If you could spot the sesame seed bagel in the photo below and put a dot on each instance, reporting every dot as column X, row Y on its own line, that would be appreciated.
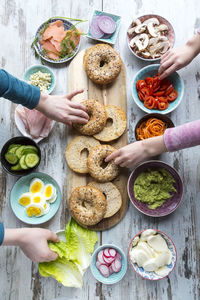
column 117, row 127
column 113, row 197
column 97, row 120
column 87, row 205
column 95, row 160
column 102, row 64
column 75, row 156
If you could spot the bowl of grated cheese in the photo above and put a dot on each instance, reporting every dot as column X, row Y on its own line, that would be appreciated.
column 42, row 77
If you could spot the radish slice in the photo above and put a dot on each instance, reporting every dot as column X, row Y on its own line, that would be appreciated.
column 100, row 257
column 95, row 31
column 112, row 252
column 104, row 270
column 108, row 260
column 106, row 253
column 118, row 256
column 116, row 265
column 111, row 270
column 106, row 24
column 98, row 264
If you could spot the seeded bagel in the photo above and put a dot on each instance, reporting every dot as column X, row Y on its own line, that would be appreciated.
column 102, row 63
column 113, row 197
column 95, row 160
column 87, row 205
column 98, row 117
column 74, row 153
column 117, row 127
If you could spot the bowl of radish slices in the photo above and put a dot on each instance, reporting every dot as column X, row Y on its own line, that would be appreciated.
column 109, row 264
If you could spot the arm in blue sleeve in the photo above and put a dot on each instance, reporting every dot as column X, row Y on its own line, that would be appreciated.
column 1, row 233
column 18, row 91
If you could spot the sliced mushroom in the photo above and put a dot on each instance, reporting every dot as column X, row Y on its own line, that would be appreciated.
column 131, row 31
column 160, row 48
column 140, row 28
column 152, row 29
column 140, row 41
column 145, row 54
column 154, row 41
column 136, row 23
column 162, row 27
column 152, row 20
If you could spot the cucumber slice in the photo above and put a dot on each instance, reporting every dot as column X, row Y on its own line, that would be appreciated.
column 27, row 151
column 31, row 160
column 13, row 146
column 13, row 149
column 23, row 163
column 11, row 158
column 16, row 167
column 19, row 151
column 30, row 147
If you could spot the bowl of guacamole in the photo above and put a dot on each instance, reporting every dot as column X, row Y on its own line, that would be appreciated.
column 155, row 188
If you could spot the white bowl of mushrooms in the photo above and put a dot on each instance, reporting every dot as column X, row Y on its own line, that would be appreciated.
column 149, row 37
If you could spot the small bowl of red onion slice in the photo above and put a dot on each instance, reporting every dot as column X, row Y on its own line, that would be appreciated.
column 109, row 264
column 104, row 27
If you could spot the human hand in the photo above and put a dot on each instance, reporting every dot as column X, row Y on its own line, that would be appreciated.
column 177, row 58
column 61, row 109
column 138, row 151
column 33, row 242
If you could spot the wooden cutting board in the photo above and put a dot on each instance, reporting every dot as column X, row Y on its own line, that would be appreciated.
column 114, row 94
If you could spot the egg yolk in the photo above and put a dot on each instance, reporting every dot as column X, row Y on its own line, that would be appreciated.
column 33, row 211
column 24, row 201
column 45, row 206
column 48, row 191
column 36, row 199
column 36, row 187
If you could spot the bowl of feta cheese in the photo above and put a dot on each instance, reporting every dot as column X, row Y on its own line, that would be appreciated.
column 42, row 77
column 152, row 254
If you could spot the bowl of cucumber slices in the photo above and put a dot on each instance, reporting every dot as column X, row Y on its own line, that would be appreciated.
column 20, row 156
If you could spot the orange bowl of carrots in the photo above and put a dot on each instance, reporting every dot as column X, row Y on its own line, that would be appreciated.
column 152, row 125
column 153, row 95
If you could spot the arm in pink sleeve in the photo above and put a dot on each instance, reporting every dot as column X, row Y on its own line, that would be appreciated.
column 184, row 136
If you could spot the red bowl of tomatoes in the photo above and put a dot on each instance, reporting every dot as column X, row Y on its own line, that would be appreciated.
column 157, row 96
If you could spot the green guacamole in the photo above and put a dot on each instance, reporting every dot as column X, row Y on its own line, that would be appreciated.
column 154, row 187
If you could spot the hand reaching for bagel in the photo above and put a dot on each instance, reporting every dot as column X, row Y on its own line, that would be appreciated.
column 62, row 109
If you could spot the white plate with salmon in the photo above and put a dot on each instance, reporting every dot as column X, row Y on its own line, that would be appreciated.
column 57, row 40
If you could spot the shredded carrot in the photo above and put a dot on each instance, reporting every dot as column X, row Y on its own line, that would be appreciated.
column 150, row 128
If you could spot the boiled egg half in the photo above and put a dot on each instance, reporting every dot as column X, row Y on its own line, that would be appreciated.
column 36, row 186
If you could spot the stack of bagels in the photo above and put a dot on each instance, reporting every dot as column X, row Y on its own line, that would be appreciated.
column 85, row 155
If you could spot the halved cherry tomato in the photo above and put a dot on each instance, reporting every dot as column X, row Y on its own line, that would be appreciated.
column 169, row 90
column 156, row 101
column 163, row 105
column 149, row 102
column 160, row 93
column 140, row 84
column 145, row 91
column 141, row 96
column 162, row 99
column 164, row 84
column 172, row 96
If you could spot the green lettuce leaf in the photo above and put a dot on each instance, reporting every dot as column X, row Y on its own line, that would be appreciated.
column 64, row 271
column 74, row 256
column 80, row 243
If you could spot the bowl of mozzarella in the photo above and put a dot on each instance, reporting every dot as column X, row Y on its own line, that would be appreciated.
column 152, row 254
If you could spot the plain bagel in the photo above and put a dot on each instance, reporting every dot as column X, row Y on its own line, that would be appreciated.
column 102, row 64
column 74, row 153
column 95, row 164
column 113, row 197
column 87, row 205
column 98, row 117
column 117, row 127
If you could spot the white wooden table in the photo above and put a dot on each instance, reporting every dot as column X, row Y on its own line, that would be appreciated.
column 19, row 277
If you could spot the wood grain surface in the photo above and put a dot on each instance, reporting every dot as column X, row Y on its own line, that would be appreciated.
column 112, row 94
column 19, row 277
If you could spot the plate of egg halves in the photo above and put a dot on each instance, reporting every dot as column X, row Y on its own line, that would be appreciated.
column 35, row 198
